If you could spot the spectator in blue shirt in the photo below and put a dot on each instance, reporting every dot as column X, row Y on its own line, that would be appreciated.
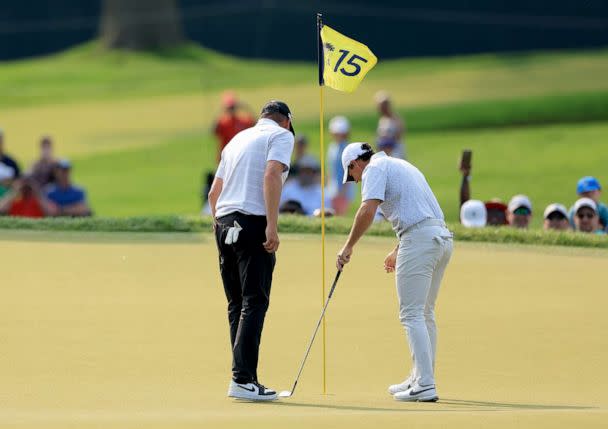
column 70, row 199
column 589, row 187
column 7, row 161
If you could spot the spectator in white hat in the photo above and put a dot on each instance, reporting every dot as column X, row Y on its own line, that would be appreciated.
column 390, row 125
column 556, row 218
column 519, row 211
column 341, row 194
column 473, row 214
column 586, row 218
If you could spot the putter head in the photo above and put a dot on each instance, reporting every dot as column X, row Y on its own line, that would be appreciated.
column 285, row 394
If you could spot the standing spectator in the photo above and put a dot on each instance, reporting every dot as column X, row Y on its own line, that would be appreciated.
column 244, row 200
column 519, row 211
column 42, row 170
column 556, row 218
column 586, row 218
column 306, row 188
column 390, row 125
column 70, row 200
column 341, row 194
column 235, row 118
column 26, row 200
column 6, row 160
column 589, row 187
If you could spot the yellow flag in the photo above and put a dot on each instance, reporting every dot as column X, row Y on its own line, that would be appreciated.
column 345, row 61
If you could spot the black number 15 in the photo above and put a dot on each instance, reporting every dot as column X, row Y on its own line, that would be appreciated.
column 351, row 62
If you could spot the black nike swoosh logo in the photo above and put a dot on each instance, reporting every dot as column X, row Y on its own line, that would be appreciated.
column 421, row 391
column 245, row 388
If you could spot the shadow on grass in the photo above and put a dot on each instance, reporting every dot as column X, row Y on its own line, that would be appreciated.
column 463, row 405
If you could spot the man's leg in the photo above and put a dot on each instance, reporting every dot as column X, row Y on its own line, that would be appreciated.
column 255, row 269
column 429, row 309
column 416, row 260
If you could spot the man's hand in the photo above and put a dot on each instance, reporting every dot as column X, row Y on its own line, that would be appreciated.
column 390, row 261
column 272, row 239
column 344, row 257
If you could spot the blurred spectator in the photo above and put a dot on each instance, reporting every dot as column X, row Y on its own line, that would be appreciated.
column 305, row 189
column 6, row 160
column 300, row 149
column 390, row 125
column 26, row 200
column 589, row 187
column 235, row 118
column 497, row 212
column 586, row 218
column 556, row 218
column 69, row 199
column 7, row 175
column 519, row 211
column 341, row 194
column 473, row 214
column 42, row 170
column 388, row 145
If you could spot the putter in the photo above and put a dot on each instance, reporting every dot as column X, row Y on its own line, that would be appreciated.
column 289, row 393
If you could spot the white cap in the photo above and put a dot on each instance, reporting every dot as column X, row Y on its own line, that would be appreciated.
column 350, row 153
column 339, row 125
column 6, row 172
column 555, row 207
column 585, row 202
column 473, row 214
column 519, row 201
column 381, row 97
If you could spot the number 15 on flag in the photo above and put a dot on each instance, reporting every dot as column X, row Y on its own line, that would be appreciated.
column 345, row 61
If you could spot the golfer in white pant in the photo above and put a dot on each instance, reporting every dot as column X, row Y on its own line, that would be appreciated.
column 419, row 260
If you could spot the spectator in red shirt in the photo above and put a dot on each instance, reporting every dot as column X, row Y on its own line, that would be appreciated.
column 26, row 200
column 235, row 118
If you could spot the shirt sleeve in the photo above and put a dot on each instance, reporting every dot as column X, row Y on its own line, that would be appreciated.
column 221, row 169
column 373, row 186
column 280, row 147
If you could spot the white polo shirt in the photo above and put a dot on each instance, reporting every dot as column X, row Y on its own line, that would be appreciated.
column 405, row 194
column 243, row 165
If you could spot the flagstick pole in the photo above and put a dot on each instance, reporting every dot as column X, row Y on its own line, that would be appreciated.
column 321, row 123
column 321, row 126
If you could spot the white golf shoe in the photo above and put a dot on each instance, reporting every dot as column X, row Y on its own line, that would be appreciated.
column 418, row 393
column 401, row 387
column 251, row 391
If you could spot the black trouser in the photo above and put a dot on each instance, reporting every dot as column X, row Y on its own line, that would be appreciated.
column 246, row 270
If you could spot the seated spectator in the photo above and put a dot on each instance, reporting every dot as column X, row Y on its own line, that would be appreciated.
column 497, row 212
column 6, row 161
column 299, row 150
column 26, row 200
column 586, row 218
column 556, row 218
column 42, row 170
column 7, row 175
column 589, row 187
column 69, row 199
column 291, row 207
column 519, row 211
column 306, row 188
column 473, row 214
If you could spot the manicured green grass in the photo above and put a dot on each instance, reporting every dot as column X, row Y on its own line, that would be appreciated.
column 297, row 224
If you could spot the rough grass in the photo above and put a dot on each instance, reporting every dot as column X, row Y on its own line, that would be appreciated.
column 296, row 224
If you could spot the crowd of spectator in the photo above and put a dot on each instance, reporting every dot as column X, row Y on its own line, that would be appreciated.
column 46, row 189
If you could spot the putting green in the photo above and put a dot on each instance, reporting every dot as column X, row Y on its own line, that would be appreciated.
column 129, row 330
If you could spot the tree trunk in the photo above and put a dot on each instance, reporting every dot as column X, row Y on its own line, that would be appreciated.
column 140, row 24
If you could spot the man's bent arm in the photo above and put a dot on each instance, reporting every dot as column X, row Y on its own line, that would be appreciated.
column 363, row 219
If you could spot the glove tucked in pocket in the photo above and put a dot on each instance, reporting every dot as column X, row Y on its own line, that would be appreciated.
column 232, row 235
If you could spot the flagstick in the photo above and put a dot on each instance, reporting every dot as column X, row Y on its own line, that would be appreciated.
column 321, row 126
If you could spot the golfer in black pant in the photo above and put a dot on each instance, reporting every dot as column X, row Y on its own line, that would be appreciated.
column 244, row 199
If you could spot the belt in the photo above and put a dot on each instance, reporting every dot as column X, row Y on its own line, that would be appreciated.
column 422, row 224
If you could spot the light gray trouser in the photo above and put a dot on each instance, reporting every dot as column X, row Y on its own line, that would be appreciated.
column 424, row 252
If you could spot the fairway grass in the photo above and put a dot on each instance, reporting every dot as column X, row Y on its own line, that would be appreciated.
column 123, row 330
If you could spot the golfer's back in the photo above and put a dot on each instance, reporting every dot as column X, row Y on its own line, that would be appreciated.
column 243, row 165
